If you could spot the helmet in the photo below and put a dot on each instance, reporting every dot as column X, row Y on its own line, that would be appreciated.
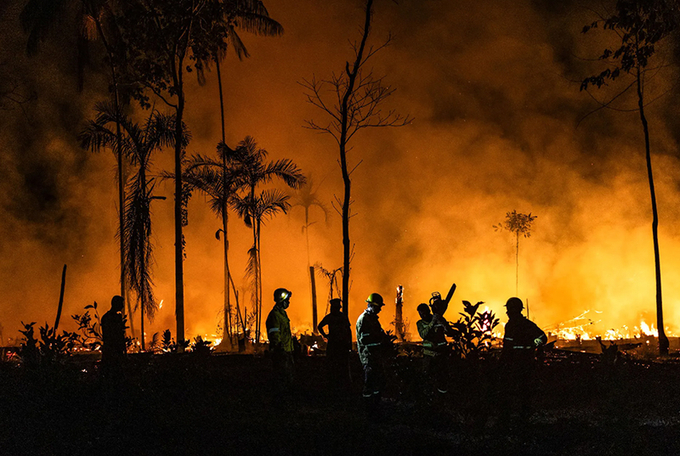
column 375, row 299
column 423, row 309
column 514, row 305
column 281, row 294
column 336, row 303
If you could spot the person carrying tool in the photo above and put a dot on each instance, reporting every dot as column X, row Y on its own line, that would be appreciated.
column 433, row 329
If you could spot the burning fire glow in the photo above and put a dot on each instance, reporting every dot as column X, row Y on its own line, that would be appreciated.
column 581, row 328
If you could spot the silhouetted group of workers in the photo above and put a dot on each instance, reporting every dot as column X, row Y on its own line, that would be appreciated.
column 522, row 338
column 518, row 357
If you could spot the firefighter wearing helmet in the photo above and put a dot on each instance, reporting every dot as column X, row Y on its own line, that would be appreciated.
column 370, row 341
column 522, row 336
column 518, row 359
column 281, row 338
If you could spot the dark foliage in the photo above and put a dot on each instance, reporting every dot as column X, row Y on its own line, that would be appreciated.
column 473, row 333
column 48, row 349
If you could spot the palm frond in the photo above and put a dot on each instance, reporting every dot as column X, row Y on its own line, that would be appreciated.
column 269, row 203
column 286, row 170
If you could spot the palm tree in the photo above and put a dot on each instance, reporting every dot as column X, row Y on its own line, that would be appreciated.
column 93, row 18
column 248, row 15
column 306, row 197
column 255, row 207
column 138, row 143
column 219, row 180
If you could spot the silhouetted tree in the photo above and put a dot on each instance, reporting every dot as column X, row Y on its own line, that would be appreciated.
column 91, row 19
column 517, row 223
column 332, row 277
column 306, row 197
column 250, row 16
column 247, row 15
column 641, row 25
column 220, row 180
column 255, row 207
column 161, row 41
column 352, row 101
column 138, row 143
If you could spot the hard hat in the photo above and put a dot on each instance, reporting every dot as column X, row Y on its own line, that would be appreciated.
column 281, row 294
column 375, row 299
column 514, row 305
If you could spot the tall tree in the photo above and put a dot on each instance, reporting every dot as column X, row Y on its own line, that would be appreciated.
column 161, row 44
column 518, row 224
column 138, row 143
column 351, row 101
column 307, row 197
column 641, row 25
column 91, row 19
column 220, row 181
column 255, row 207
column 246, row 15
column 250, row 16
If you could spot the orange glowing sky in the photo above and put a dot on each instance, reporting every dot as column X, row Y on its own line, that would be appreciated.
column 494, row 90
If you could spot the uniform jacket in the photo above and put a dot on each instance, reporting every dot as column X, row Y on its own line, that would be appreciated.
column 370, row 336
column 278, row 330
column 433, row 334
column 339, row 332
column 522, row 336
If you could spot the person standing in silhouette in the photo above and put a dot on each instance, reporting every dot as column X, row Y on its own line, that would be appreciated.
column 518, row 362
column 281, row 344
column 113, row 339
column 338, row 343
column 371, row 341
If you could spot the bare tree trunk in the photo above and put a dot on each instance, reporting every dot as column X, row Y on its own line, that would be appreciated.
column 61, row 299
column 141, row 312
column 179, row 247
column 121, row 181
column 227, row 304
column 225, row 220
column 663, row 340
column 399, row 316
column 344, row 109
column 517, row 265
column 259, row 278
column 315, row 323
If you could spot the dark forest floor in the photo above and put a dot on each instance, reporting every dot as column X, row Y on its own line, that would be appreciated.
column 186, row 404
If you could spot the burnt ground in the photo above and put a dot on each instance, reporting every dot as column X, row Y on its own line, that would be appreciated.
column 187, row 404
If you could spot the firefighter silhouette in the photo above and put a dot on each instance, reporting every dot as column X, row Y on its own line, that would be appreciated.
column 518, row 362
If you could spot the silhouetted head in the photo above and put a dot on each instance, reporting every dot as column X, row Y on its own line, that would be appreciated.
column 336, row 304
column 375, row 302
column 282, row 296
column 514, row 306
column 117, row 303
column 424, row 311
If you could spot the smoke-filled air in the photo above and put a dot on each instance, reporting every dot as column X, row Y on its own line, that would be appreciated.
column 499, row 124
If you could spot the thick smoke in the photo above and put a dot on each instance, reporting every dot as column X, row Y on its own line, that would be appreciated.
column 494, row 89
